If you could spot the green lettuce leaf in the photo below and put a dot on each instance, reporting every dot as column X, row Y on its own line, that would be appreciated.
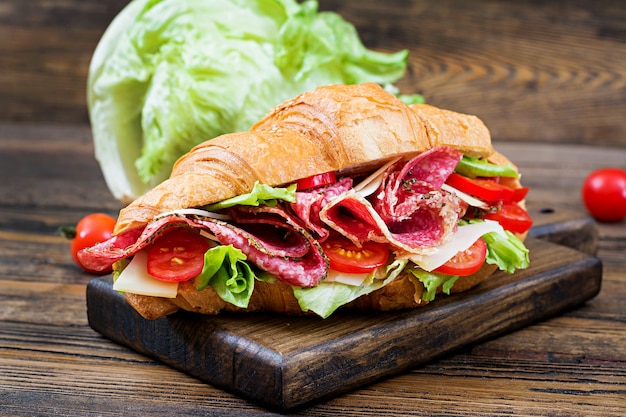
column 169, row 74
column 432, row 281
column 226, row 270
column 260, row 194
column 506, row 251
column 327, row 297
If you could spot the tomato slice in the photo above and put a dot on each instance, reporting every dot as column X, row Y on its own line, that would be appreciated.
column 487, row 190
column 466, row 262
column 519, row 194
column 177, row 256
column 512, row 217
column 345, row 256
column 318, row 180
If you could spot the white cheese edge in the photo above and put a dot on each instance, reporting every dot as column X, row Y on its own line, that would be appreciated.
column 461, row 240
column 355, row 280
column 136, row 280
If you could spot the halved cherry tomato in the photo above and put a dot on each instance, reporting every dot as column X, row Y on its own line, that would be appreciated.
column 512, row 217
column 466, row 262
column 92, row 229
column 318, row 180
column 345, row 256
column 484, row 189
column 177, row 256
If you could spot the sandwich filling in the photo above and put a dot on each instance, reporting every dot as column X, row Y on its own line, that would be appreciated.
column 436, row 216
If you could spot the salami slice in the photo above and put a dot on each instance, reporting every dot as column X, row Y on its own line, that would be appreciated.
column 308, row 205
column 304, row 271
column 409, row 210
column 406, row 187
column 101, row 256
column 355, row 218
column 283, row 249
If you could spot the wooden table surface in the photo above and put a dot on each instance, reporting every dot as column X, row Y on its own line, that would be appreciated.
column 53, row 363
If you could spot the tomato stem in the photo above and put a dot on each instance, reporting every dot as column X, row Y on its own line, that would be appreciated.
column 68, row 232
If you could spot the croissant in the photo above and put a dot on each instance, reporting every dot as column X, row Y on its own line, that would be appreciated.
column 350, row 130
column 345, row 128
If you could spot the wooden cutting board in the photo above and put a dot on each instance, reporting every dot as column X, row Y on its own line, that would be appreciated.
column 287, row 363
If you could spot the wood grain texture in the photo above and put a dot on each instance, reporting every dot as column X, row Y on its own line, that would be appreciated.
column 533, row 70
column 45, row 50
column 53, row 363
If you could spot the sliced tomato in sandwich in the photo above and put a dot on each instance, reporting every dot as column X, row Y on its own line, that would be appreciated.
column 466, row 262
column 177, row 256
column 346, row 257
column 512, row 217
column 318, row 180
column 484, row 189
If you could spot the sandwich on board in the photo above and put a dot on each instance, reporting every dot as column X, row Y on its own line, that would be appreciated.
column 343, row 197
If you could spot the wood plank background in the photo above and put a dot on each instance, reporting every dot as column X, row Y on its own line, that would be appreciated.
column 534, row 70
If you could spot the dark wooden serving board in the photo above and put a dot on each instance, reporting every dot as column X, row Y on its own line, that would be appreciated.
column 286, row 363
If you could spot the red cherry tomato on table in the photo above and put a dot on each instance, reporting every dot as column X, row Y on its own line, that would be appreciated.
column 90, row 230
column 466, row 262
column 346, row 257
column 604, row 194
column 511, row 217
column 318, row 180
column 177, row 256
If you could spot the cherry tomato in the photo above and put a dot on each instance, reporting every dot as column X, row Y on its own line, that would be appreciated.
column 318, row 180
column 466, row 262
column 511, row 217
column 177, row 255
column 484, row 189
column 604, row 194
column 90, row 230
column 345, row 256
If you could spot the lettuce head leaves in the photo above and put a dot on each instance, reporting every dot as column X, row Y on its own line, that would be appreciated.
column 169, row 74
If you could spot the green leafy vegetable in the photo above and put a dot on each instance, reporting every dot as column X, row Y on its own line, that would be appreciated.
column 226, row 270
column 506, row 251
column 432, row 281
column 169, row 74
column 327, row 297
column 260, row 194
column 479, row 167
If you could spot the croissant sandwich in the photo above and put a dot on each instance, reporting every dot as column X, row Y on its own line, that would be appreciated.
column 343, row 197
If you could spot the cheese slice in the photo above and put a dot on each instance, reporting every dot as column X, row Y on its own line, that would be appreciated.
column 465, row 197
column 355, row 280
column 461, row 240
column 136, row 280
column 370, row 184
column 193, row 211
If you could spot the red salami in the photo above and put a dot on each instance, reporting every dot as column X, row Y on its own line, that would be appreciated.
column 354, row 217
column 406, row 188
column 101, row 256
column 409, row 210
column 289, row 253
column 309, row 204
column 271, row 229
